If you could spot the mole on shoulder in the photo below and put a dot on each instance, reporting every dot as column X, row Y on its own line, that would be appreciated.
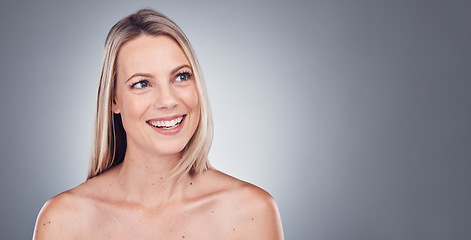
column 191, row 183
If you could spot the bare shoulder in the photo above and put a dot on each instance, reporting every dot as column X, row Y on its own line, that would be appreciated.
column 56, row 216
column 63, row 216
column 228, row 186
column 240, row 192
column 251, row 211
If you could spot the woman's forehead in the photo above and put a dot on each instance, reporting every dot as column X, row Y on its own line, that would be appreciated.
column 150, row 53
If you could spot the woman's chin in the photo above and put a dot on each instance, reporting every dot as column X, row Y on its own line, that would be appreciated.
column 169, row 149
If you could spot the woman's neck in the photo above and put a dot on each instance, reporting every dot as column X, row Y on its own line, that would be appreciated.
column 144, row 178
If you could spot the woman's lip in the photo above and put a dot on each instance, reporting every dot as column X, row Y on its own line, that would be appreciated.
column 167, row 118
column 169, row 132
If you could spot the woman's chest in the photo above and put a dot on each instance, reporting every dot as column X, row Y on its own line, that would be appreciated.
column 172, row 222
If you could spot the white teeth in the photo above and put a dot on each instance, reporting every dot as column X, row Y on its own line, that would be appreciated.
column 167, row 124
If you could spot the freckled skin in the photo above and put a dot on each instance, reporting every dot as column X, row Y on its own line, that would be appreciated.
column 91, row 211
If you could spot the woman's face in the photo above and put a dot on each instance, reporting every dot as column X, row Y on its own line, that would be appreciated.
column 156, row 95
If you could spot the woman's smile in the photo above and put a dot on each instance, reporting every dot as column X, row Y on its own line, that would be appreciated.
column 165, row 123
column 167, row 127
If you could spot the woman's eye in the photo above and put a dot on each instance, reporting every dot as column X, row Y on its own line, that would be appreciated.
column 140, row 84
column 183, row 77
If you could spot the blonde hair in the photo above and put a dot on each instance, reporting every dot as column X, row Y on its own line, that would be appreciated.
column 109, row 143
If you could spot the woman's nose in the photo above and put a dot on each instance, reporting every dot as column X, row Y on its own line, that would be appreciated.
column 165, row 98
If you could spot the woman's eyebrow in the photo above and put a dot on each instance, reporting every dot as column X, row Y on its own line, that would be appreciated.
column 146, row 75
column 180, row 67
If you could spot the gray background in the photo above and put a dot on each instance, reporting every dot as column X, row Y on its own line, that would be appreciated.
column 354, row 115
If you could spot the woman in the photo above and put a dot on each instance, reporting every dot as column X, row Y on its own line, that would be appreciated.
column 149, row 176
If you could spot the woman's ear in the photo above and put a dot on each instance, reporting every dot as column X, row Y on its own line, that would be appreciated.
column 115, row 107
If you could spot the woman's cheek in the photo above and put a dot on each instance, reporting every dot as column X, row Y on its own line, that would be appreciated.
column 133, row 108
column 190, row 98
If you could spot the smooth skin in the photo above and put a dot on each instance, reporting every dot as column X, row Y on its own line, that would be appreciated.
column 134, row 200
